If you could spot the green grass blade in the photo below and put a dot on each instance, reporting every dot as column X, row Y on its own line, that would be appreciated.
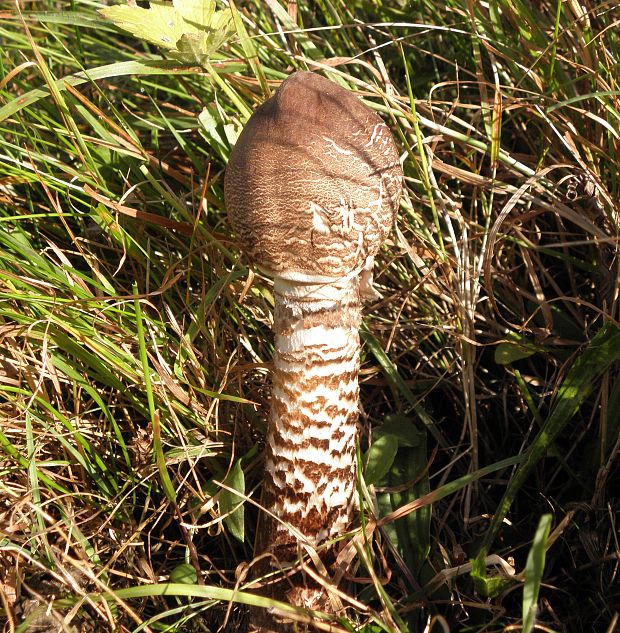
column 583, row 375
column 158, row 450
column 396, row 379
column 117, row 69
column 534, row 569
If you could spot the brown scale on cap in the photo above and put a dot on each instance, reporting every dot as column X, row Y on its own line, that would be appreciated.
column 312, row 188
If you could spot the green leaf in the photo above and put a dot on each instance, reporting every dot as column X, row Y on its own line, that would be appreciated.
column 380, row 458
column 199, row 13
column 534, row 568
column 191, row 30
column 409, row 481
column 507, row 353
column 184, row 574
column 231, row 504
column 206, row 29
column 487, row 586
column 585, row 372
column 402, row 428
column 213, row 129
column 398, row 457
column 161, row 24
column 198, row 47
column 192, row 46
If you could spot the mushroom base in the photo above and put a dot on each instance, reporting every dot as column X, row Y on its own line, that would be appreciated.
column 310, row 468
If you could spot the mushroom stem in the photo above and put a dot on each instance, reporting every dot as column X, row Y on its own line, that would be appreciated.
column 310, row 468
column 312, row 188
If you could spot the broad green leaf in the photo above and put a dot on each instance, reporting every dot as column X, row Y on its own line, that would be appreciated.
column 184, row 574
column 534, row 568
column 198, row 13
column 402, row 428
column 231, row 505
column 412, row 532
column 507, row 353
column 398, row 457
column 191, row 30
column 210, row 128
column 161, row 24
column 191, row 46
column 199, row 46
column 206, row 30
column 380, row 458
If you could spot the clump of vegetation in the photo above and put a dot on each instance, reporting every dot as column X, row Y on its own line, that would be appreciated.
column 134, row 340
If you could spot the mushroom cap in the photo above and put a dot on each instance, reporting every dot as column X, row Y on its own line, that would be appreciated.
column 313, row 184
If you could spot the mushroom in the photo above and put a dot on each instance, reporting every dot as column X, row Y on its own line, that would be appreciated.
column 312, row 188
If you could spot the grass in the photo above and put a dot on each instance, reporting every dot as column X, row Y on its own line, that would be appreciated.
column 135, row 343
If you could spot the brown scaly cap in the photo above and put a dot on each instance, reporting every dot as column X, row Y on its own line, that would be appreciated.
column 314, row 181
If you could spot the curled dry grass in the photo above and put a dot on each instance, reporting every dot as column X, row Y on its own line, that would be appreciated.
column 135, row 345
